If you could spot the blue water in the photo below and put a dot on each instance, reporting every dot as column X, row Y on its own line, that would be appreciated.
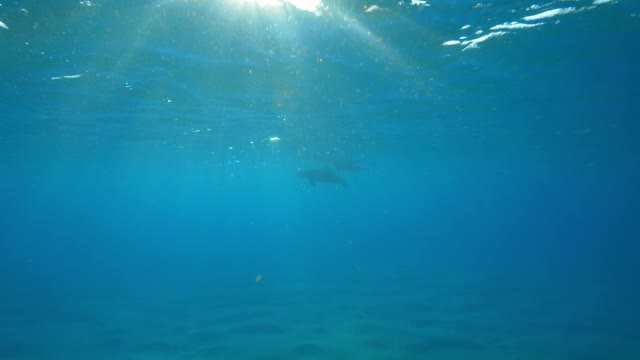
column 319, row 180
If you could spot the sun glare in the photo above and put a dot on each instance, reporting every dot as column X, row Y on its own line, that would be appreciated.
column 313, row 6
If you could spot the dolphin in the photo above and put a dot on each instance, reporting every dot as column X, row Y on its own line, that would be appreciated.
column 345, row 164
column 323, row 174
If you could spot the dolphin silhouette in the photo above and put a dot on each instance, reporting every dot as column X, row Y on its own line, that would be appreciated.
column 345, row 164
column 323, row 174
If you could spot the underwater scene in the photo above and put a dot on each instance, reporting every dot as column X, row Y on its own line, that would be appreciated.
column 319, row 179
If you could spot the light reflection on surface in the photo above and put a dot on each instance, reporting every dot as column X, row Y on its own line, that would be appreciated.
column 313, row 6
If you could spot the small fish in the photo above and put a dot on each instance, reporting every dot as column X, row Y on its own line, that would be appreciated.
column 3, row 25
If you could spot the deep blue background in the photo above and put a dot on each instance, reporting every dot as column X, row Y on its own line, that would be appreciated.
column 517, row 163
